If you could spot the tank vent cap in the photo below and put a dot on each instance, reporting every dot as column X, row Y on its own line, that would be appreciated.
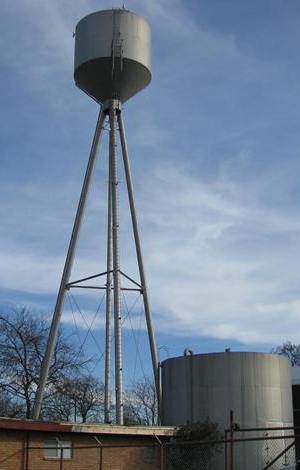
column 188, row 352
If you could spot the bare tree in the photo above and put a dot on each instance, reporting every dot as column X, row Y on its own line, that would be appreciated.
column 141, row 403
column 9, row 407
column 89, row 398
column 58, row 406
column 78, row 398
column 23, row 338
column 71, row 394
column 289, row 350
column 130, row 415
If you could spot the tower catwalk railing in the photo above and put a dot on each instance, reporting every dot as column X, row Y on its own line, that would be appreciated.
column 113, row 110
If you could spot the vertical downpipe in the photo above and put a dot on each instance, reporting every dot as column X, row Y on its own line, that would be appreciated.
column 231, row 440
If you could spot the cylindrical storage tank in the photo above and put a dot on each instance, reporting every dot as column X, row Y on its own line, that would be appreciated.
column 112, row 54
column 255, row 386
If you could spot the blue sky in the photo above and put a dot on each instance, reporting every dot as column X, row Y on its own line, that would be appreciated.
column 214, row 142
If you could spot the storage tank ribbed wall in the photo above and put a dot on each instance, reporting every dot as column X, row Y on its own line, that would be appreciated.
column 256, row 386
column 112, row 54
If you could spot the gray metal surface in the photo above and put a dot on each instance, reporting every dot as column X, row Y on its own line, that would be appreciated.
column 109, row 284
column 256, row 386
column 112, row 63
column 67, row 268
column 138, row 247
column 116, row 261
column 112, row 54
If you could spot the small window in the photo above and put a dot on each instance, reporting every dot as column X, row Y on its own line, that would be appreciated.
column 53, row 449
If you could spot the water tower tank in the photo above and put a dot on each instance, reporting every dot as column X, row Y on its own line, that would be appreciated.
column 112, row 54
column 256, row 386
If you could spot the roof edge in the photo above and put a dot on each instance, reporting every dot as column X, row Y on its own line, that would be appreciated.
column 105, row 429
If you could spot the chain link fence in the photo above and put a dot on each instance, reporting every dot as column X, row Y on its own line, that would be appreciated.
column 241, row 450
column 265, row 448
column 194, row 456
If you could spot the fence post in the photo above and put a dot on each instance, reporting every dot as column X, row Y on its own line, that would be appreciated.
column 26, row 452
column 100, row 458
column 162, row 456
column 61, row 459
column 231, row 440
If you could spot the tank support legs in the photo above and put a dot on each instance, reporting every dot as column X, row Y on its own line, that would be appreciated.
column 52, row 339
column 152, row 341
column 113, row 287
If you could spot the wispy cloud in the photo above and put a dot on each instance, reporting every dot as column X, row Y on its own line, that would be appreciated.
column 207, row 268
column 215, row 145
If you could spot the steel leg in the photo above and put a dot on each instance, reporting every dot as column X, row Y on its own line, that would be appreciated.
column 67, row 269
column 153, row 347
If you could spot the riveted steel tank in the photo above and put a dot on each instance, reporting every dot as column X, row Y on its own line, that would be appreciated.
column 112, row 54
column 255, row 386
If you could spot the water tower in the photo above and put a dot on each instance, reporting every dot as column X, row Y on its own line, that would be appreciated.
column 112, row 64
